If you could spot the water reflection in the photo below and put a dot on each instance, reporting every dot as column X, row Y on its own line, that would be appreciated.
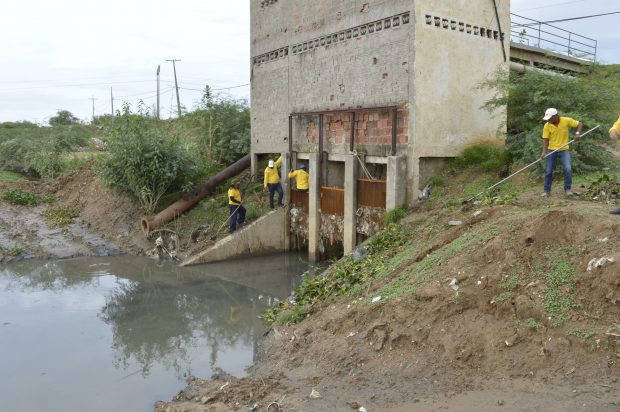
column 137, row 319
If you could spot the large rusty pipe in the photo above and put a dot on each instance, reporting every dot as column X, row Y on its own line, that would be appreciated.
column 190, row 199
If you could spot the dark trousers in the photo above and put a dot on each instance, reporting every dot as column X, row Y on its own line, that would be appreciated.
column 237, row 216
column 275, row 187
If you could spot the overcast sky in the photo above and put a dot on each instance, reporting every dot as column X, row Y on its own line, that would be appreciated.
column 58, row 54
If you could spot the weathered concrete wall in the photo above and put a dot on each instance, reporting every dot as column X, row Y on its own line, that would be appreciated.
column 457, row 46
column 266, row 235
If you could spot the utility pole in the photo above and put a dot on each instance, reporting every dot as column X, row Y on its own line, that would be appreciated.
column 112, row 103
column 176, row 85
column 158, row 67
column 93, row 99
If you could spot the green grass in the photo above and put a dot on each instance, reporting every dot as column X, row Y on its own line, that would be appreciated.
column 10, row 177
column 534, row 324
column 558, row 296
column 583, row 334
column 16, row 250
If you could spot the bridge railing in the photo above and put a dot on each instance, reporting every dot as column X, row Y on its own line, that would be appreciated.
column 535, row 33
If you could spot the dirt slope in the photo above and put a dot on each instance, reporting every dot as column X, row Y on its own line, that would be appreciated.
column 498, row 313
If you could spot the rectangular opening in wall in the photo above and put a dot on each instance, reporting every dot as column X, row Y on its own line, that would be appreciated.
column 300, row 200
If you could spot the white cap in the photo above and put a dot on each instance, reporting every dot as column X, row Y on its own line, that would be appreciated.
column 550, row 113
column 271, row 163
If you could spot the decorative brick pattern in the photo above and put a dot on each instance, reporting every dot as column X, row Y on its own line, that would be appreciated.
column 392, row 22
column 462, row 27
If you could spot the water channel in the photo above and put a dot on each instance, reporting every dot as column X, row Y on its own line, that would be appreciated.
column 119, row 333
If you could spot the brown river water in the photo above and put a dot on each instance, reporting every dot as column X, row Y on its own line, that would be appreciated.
column 119, row 333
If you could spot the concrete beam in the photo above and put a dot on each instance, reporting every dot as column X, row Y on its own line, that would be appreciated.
column 350, row 204
column 254, row 165
column 396, row 184
column 285, row 168
column 314, row 207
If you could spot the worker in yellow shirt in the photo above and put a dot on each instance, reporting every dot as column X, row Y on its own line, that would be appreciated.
column 272, row 181
column 237, row 211
column 614, row 133
column 555, row 137
column 301, row 178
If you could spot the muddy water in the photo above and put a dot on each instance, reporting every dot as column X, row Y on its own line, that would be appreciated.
column 119, row 333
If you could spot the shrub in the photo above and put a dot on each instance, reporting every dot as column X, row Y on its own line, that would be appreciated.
column 145, row 161
column 483, row 157
column 20, row 197
column 394, row 215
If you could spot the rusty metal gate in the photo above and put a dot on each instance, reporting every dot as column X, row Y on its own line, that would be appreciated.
column 371, row 193
column 332, row 200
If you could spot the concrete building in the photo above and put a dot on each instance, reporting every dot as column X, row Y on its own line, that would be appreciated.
column 373, row 95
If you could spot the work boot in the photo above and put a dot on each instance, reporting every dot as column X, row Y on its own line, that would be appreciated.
column 568, row 193
column 545, row 194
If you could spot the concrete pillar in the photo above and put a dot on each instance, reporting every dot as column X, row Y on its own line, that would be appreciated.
column 286, row 188
column 396, row 184
column 350, row 203
column 314, row 208
column 254, row 166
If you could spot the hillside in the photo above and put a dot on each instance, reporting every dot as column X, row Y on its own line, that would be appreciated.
column 500, row 312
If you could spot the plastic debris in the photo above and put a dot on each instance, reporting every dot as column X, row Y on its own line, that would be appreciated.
column 315, row 394
column 603, row 239
column 597, row 263
column 376, row 299
column 362, row 409
column 453, row 284
column 455, row 223
column 477, row 213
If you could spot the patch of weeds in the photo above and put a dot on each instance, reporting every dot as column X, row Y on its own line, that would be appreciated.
column 504, row 296
column 483, row 157
column 48, row 199
column 394, row 215
column 59, row 216
column 437, row 181
column 295, row 314
column 534, row 324
column 557, row 298
column 509, row 283
column 16, row 250
column 583, row 334
column 21, row 197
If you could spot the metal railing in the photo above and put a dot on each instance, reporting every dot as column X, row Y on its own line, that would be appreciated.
column 534, row 33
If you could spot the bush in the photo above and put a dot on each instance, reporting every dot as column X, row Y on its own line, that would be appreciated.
column 145, row 161
column 20, row 197
column 483, row 157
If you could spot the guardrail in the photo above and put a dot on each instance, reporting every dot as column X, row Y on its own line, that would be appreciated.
column 535, row 33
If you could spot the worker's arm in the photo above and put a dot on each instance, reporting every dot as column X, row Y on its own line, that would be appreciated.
column 278, row 162
column 266, row 178
column 234, row 200
column 292, row 174
column 578, row 132
column 545, row 148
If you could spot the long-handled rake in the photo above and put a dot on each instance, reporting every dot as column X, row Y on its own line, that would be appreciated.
column 472, row 199
column 225, row 222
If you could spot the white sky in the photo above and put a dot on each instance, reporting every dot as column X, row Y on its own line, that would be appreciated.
column 57, row 54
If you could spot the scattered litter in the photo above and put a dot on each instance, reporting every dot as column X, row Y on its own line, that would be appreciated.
column 477, row 213
column 376, row 299
column 532, row 284
column 315, row 394
column 453, row 284
column 224, row 385
column 455, row 223
column 360, row 253
column 596, row 263
column 570, row 372
column 362, row 409
column 351, row 334
column 479, row 282
column 603, row 239
column 254, row 407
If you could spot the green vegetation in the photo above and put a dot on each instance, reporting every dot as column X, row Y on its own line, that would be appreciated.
column 394, row 215
column 21, row 197
column 484, row 157
column 534, row 324
column 593, row 99
column 10, row 177
column 145, row 161
column 583, row 334
column 16, row 250
column 59, row 216
column 558, row 297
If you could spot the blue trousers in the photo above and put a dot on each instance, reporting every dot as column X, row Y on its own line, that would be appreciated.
column 237, row 216
column 275, row 187
column 564, row 156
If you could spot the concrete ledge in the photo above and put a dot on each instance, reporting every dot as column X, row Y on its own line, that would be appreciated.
column 264, row 236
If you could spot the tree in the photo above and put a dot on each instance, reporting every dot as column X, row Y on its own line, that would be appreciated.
column 63, row 118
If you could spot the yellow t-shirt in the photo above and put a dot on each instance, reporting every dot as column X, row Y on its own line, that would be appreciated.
column 558, row 135
column 301, row 178
column 235, row 194
column 271, row 173
column 616, row 126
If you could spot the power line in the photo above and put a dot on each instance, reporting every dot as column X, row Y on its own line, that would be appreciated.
column 73, row 85
column 215, row 90
column 550, row 5
column 580, row 18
